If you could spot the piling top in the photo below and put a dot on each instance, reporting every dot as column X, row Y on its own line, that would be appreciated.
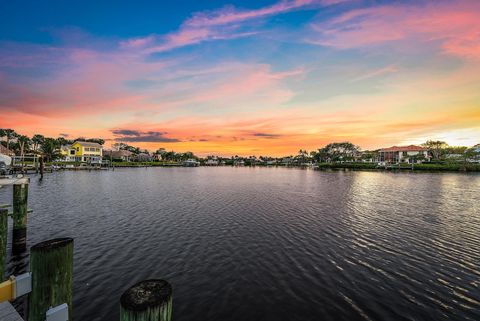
column 146, row 294
column 52, row 244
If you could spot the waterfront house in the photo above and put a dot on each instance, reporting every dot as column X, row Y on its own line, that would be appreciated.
column 87, row 152
column 287, row 161
column 476, row 148
column 67, row 153
column 474, row 154
column 143, row 157
column 403, row 154
column 212, row 162
column 239, row 162
column 123, row 155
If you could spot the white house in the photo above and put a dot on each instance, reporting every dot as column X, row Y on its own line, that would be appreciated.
column 403, row 154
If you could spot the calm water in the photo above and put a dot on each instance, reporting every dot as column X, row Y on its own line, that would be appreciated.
column 269, row 244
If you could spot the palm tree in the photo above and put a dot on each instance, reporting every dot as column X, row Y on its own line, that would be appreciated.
column 23, row 141
column 62, row 141
column 2, row 133
column 49, row 149
column 9, row 133
column 37, row 140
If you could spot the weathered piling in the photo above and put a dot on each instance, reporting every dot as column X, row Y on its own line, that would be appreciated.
column 20, row 209
column 51, row 265
column 149, row 300
column 3, row 241
column 42, row 167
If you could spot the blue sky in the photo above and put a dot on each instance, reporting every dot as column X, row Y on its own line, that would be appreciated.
column 243, row 77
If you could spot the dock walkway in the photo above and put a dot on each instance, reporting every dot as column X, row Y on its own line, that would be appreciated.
column 5, row 181
column 8, row 313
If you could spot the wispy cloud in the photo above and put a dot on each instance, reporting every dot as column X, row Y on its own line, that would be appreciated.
column 273, row 96
column 230, row 14
column 225, row 23
column 266, row 135
column 131, row 136
column 138, row 42
column 377, row 73
column 453, row 25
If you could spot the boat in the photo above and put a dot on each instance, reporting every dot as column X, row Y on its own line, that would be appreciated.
column 190, row 163
column 5, row 164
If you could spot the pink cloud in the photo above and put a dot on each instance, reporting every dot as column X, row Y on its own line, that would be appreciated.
column 138, row 42
column 83, row 81
column 455, row 26
column 241, row 86
column 96, row 84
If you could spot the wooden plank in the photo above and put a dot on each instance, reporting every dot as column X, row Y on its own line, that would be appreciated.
column 13, row 181
column 8, row 313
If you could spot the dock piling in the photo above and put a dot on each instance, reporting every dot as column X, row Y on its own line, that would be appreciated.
column 42, row 167
column 3, row 241
column 20, row 200
column 51, row 265
column 149, row 300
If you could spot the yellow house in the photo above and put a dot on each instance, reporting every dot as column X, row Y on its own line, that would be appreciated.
column 67, row 153
column 86, row 152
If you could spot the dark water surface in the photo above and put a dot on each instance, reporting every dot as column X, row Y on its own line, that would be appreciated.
column 269, row 243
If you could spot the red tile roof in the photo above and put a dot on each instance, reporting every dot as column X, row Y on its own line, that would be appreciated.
column 411, row 148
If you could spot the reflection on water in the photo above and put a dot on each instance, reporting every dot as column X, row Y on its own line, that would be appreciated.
column 269, row 243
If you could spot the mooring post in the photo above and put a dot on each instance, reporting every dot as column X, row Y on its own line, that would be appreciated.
column 51, row 265
column 3, row 241
column 20, row 200
column 149, row 300
column 42, row 167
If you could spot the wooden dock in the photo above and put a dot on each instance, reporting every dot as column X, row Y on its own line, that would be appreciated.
column 8, row 313
column 5, row 181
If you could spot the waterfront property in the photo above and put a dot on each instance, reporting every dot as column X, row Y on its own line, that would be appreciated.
column 143, row 157
column 212, row 162
column 123, row 155
column 67, row 153
column 191, row 163
column 83, row 152
column 403, row 154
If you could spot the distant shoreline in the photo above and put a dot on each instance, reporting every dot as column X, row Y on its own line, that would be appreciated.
column 453, row 167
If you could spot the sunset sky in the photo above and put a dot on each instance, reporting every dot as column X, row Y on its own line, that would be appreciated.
column 242, row 77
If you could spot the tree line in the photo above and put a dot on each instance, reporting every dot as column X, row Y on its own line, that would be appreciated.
column 165, row 155
column 334, row 152
column 49, row 147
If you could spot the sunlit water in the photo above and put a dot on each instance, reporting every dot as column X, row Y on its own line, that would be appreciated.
column 268, row 243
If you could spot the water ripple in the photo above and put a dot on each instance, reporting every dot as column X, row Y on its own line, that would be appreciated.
column 268, row 244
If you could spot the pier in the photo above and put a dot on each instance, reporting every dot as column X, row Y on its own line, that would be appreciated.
column 8, row 313
column 49, row 281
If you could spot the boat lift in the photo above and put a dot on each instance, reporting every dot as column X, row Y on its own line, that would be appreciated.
column 17, row 286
